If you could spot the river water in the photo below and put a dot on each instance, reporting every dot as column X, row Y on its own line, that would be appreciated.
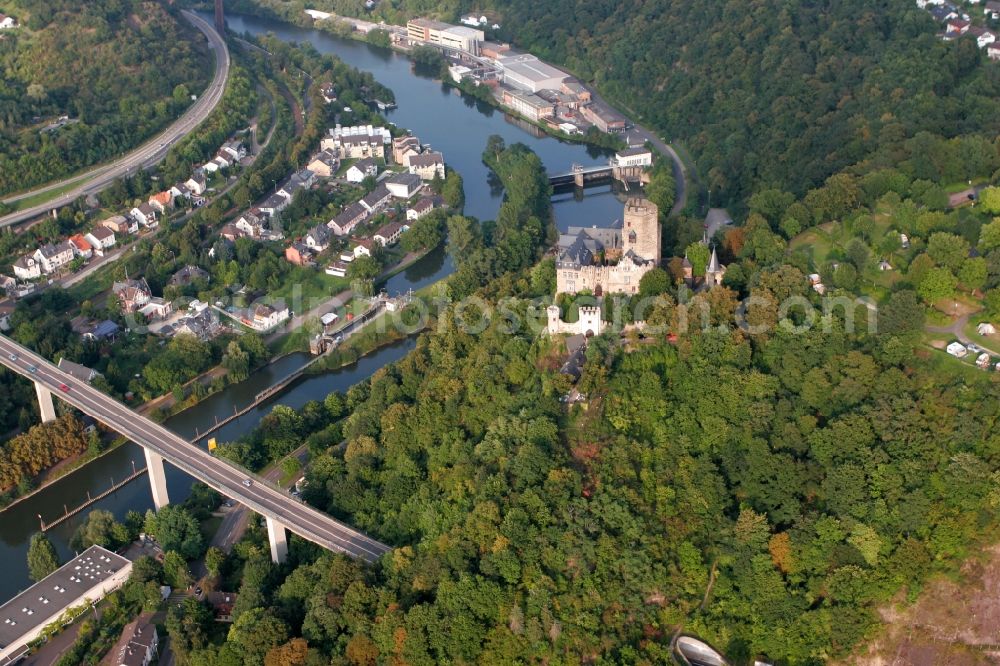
column 457, row 126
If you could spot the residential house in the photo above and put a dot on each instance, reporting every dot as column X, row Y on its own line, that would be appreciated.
column 53, row 257
column 418, row 210
column 337, row 269
column 81, row 246
column 81, row 372
column 132, row 294
column 252, row 222
column 328, row 93
column 197, row 183
column 231, row 232
column 157, row 308
column 636, row 156
column 300, row 180
column 121, row 224
column 187, row 275
column 992, row 10
column 993, row 51
column 138, row 645
column 97, row 331
column 942, row 14
column 956, row 27
column 217, row 163
column 344, row 223
column 298, row 254
column 404, row 147
column 324, row 164
column 234, row 149
column 101, row 238
column 428, row 165
column 7, row 22
column 404, row 185
column 275, row 203
column 388, row 234
column 7, row 284
column 180, row 190
column 203, row 324
column 363, row 248
column 222, row 603
column 264, row 317
column 162, row 201
column 357, row 142
column 361, row 170
column 377, row 199
column 27, row 268
column 146, row 215
column 984, row 37
column 318, row 238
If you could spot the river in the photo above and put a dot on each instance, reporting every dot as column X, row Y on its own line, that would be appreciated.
column 454, row 124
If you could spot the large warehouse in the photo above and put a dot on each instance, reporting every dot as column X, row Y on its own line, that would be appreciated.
column 85, row 579
column 527, row 72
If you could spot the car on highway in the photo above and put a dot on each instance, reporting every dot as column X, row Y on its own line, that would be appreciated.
column 12, row 357
column 32, row 369
column 64, row 388
column 247, row 482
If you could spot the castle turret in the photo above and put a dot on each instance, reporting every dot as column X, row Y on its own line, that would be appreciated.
column 715, row 271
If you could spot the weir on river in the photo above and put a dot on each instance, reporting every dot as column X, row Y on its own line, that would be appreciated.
column 455, row 125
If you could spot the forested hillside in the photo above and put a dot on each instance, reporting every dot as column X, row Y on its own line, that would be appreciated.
column 123, row 68
column 763, row 92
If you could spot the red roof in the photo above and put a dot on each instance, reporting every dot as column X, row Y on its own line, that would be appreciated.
column 80, row 242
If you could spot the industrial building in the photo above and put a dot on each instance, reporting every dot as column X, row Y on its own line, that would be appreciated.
column 529, row 105
column 455, row 37
column 527, row 72
column 84, row 580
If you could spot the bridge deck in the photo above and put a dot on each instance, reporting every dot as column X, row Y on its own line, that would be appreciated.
column 260, row 496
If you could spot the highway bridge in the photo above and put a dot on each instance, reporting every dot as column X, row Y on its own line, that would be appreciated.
column 146, row 155
column 281, row 510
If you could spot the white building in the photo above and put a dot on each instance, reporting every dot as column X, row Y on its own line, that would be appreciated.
column 357, row 142
column 27, row 268
column 7, row 22
column 82, row 581
column 101, row 237
column 636, row 156
column 404, row 185
column 456, row 37
column 360, row 170
column 527, row 72
column 264, row 317
column 53, row 257
column 957, row 349
column 428, row 165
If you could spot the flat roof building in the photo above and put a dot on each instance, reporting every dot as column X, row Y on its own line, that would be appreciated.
column 449, row 36
column 85, row 579
column 527, row 72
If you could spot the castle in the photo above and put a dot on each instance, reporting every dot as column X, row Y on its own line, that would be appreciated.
column 610, row 260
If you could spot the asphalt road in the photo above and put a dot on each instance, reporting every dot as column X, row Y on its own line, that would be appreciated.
column 260, row 496
column 146, row 155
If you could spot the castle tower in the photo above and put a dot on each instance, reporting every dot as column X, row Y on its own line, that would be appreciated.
column 714, row 271
column 590, row 322
column 641, row 229
column 220, row 18
column 688, row 269
column 555, row 323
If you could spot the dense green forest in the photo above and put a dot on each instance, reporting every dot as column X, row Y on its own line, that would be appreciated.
column 763, row 93
column 122, row 68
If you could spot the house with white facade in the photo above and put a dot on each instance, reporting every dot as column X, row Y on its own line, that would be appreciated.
column 428, row 165
column 53, row 257
column 27, row 268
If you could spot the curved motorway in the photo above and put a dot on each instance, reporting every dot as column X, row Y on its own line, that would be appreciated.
column 146, row 155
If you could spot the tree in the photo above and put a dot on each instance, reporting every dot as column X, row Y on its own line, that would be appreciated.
column 188, row 624
column 214, row 559
column 938, row 283
column 948, row 250
column 453, row 191
column 364, row 268
column 903, row 313
column 973, row 273
column 293, row 653
column 98, row 529
column 176, row 529
column 698, row 254
column 175, row 570
column 989, row 236
column 859, row 254
column 236, row 361
column 42, row 557
column 989, row 199
column 255, row 633
column 654, row 283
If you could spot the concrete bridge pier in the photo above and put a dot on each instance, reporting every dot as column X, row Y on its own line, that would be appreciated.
column 157, row 478
column 45, row 405
column 279, row 540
